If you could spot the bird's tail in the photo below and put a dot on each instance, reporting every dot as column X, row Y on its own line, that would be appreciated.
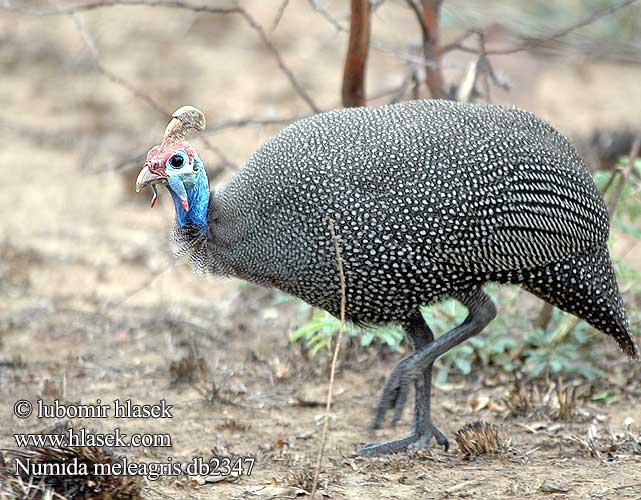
column 586, row 286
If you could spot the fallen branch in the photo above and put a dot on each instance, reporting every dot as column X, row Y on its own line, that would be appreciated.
column 110, row 307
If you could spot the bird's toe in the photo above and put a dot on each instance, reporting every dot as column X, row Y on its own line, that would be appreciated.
column 441, row 439
column 388, row 447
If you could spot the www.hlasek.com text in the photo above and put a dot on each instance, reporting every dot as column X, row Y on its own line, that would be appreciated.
column 82, row 437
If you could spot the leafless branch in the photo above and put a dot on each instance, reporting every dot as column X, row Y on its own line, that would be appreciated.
column 99, row 4
column 93, row 51
column 174, row 4
column 480, row 69
column 428, row 21
column 224, row 162
column 419, row 17
column 410, row 81
column 279, row 60
column 251, row 121
column 353, row 90
column 532, row 43
column 397, row 92
column 63, row 137
column 457, row 43
column 279, row 14
column 110, row 307
column 625, row 172
column 332, row 374
column 408, row 57
column 328, row 17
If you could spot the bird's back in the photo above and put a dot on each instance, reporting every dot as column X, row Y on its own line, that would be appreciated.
column 476, row 187
column 426, row 198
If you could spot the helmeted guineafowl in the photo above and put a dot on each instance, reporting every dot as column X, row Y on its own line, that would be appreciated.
column 429, row 200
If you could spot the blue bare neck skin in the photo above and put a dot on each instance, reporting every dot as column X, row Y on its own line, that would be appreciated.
column 197, row 188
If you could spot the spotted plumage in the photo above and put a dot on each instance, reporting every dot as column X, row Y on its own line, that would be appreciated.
column 427, row 197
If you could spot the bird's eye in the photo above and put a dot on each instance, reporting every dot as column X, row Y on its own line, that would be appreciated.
column 177, row 161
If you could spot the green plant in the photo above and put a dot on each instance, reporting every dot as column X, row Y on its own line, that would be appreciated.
column 322, row 326
column 561, row 349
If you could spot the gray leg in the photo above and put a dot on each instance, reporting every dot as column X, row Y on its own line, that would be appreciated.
column 423, row 429
column 417, row 369
column 419, row 335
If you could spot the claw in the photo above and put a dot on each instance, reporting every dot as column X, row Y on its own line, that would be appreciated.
column 441, row 439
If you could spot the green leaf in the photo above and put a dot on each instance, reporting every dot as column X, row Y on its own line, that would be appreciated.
column 602, row 395
column 367, row 338
column 537, row 369
column 463, row 365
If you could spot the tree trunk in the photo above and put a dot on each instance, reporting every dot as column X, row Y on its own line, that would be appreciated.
column 353, row 92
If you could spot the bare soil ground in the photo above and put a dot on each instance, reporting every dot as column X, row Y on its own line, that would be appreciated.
column 92, row 305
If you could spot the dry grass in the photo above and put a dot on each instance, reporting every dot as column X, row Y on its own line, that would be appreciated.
column 234, row 425
column 15, row 483
column 609, row 444
column 480, row 438
column 554, row 400
column 302, row 478
column 566, row 399
column 188, row 370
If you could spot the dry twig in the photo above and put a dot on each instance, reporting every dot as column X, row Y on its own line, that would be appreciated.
column 174, row 4
column 332, row 374
column 533, row 43
column 328, row 17
column 279, row 60
column 625, row 172
column 110, row 307
column 251, row 121
column 95, row 56
column 279, row 14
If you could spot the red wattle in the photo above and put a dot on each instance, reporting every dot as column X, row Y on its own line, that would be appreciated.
column 185, row 203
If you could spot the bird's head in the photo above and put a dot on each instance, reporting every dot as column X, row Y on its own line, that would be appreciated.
column 176, row 165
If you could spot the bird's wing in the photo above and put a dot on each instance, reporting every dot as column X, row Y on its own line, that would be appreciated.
column 546, row 209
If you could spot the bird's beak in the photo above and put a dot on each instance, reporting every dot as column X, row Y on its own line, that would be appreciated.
column 148, row 178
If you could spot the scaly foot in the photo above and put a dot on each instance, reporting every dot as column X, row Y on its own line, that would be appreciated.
column 414, row 441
